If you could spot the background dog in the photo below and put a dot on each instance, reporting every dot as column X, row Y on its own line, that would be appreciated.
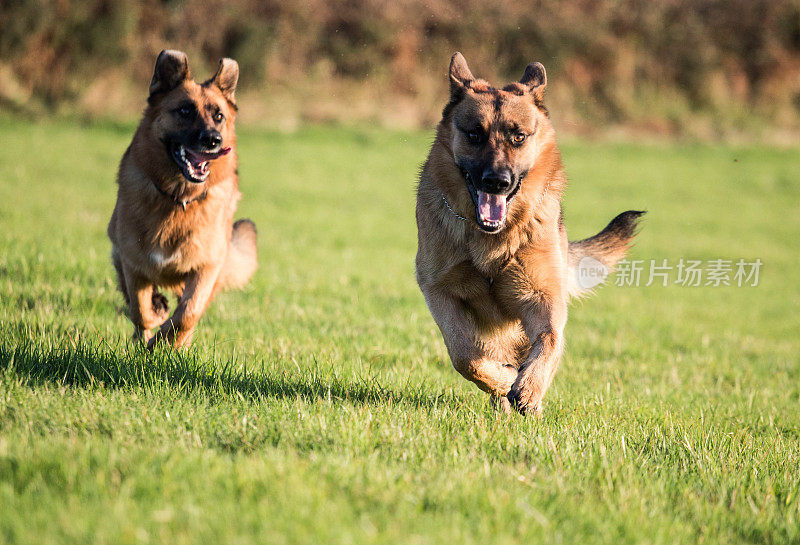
column 493, row 261
column 172, row 225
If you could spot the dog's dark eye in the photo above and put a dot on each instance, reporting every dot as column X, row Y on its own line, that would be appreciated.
column 474, row 137
column 218, row 117
column 518, row 138
column 185, row 111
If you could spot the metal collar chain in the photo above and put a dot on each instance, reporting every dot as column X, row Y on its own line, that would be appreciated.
column 447, row 204
column 541, row 199
column 200, row 197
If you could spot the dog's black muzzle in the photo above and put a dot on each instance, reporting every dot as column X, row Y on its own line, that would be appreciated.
column 208, row 141
column 498, row 181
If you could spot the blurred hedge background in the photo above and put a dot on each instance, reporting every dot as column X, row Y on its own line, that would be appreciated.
column 700, row 68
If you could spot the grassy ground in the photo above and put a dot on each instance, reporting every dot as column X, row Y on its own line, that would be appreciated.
column 318, row 405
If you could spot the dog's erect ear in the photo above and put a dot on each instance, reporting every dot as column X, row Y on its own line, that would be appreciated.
column 172, row 69
column 535, row 79
column 226, row 78
column 460, row 75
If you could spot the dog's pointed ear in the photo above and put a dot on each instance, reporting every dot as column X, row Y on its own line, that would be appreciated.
column 226, row 78
column 172, row 69
column 460, row 75
column 535, row 79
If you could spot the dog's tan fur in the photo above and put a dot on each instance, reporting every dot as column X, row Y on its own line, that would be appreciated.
column 500, row 300
column 167, row 232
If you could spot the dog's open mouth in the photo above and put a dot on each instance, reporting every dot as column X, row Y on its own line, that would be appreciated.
column 195, row 165
column 491, row 209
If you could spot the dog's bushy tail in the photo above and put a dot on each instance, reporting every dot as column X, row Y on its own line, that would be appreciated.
column 242, row 258
column 606, row 247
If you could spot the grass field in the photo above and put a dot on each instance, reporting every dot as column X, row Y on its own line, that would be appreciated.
column 318, row 405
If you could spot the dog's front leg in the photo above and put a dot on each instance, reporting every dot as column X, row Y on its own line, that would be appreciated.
column 145, row 304
column 467, row 352
column 543, row 323
column 196, row 296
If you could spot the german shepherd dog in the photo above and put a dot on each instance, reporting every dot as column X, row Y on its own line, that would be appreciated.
column 172, row 226
column 493, row 261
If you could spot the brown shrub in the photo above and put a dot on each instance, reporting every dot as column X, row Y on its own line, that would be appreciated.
column 610, row 61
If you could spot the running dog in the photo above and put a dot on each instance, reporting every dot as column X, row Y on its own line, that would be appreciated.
column 493, row 261
column 172, row 225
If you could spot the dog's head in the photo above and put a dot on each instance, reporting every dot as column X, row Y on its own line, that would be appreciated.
column 496, row 136
column 194, row 121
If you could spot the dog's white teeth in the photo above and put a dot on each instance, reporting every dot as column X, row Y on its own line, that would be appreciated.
column 183, row 153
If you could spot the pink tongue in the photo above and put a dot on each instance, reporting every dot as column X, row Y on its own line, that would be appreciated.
column 200, row 157
column 491, row 207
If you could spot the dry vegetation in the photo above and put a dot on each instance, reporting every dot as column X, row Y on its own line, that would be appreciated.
column 706, row 68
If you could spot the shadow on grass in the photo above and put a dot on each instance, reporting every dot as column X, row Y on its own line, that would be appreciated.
column 79, row 364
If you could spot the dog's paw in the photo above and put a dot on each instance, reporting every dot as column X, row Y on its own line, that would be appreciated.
column 156, row 339
column 171, row 334
column 525, row 400
column 165, row 334
column 160, row 306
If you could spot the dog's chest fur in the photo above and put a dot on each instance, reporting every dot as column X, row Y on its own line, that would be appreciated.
column 163, row 240
column 162, row 259
column 192, row 238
